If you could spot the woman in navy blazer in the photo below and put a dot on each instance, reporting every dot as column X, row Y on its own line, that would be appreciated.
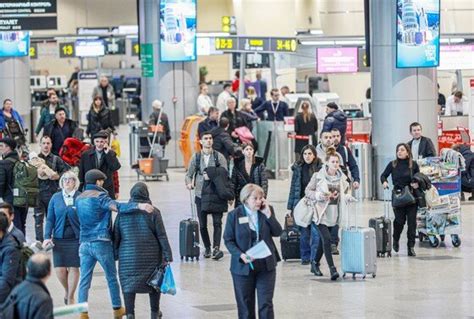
column 246, row 225
column 62, row 229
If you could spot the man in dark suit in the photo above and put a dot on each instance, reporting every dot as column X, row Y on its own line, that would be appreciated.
column 421, row 146
column 100, row 157
column 276, row 109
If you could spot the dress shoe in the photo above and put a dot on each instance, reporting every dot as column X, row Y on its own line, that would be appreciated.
column 315, row 269
column 411, row 252
column 396, row 246
column 305, row 262
column 334, row 250
column 334, row 273
column 207, row 252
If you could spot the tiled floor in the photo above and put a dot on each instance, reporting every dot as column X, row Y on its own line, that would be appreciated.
column 438, row 283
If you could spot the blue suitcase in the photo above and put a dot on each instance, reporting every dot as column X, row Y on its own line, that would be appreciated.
column 358, row 251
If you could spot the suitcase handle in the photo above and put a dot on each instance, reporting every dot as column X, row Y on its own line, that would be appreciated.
column 386, row 203
column 352, row 203
column 193, row 207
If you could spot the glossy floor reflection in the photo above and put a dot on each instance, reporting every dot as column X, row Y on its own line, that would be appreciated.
column 437, row 283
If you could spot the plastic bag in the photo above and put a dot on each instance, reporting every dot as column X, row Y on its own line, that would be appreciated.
column 168, row 286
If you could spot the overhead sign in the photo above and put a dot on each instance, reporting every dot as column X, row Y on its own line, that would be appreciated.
column 67, row 50
column 336, row 60
column 33, row 51
column 146, row 56
column 135, row 48
column 28, row 15
column 456, row 57
column 255, row 44
column 363, row 67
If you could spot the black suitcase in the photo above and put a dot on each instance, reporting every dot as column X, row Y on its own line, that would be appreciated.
column 189, row 236
column 290, row 240
column 383, row 231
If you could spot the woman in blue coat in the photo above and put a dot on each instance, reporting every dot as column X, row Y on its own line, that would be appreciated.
column 62, row 230
column 11, row 119
column 247, row 225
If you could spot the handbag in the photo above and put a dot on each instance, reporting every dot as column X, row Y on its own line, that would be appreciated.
column 156, row 279
column 402, row 197
column 303, row 212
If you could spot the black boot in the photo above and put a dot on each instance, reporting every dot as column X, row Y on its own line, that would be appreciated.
column 396, row 246
column 411, row 252
column 472, row 196
column 315, row 269
column 207, row 252
column 334, row 273
column 156, row 315
column 217, row 254
column 130, row 316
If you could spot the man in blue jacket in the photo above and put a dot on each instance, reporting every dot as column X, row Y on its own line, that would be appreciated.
column 276, row 109
column 9, row 259
column 335, row 118
column 94, row 208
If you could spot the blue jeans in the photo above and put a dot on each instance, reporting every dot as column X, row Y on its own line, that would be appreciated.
column 309, row 242
column 102, row 252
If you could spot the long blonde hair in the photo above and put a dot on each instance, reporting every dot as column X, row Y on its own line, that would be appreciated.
column 306, row 112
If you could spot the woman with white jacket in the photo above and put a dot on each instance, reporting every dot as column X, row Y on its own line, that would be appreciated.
column 329, row 192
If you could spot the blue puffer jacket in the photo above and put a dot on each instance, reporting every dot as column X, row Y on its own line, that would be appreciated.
column 15, row 115
column 296, row 187
column 95, row 218
column 336, row 119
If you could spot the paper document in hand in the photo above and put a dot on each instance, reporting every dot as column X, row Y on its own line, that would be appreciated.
column 259, row 251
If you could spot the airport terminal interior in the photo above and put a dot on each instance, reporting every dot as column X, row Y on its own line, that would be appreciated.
column 276, row 75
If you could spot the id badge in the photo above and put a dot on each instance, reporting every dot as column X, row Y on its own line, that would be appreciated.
column 243, row 220
column 16, row 192
column 69, row 201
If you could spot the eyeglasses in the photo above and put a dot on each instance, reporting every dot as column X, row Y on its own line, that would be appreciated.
column 69, row 179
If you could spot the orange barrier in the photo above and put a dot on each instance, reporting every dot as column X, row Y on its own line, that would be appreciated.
column 146, row 165
column 189, row 134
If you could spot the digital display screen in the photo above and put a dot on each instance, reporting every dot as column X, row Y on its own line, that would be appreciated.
column 177, row 30
column 418, row 23
column 337, row 60
column 456, row 57
column 14, row 44
column 88, row 48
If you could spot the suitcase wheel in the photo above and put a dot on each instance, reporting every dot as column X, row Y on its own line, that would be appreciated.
column 373, row 275
column 456, row 240
column 187, row 258
column 353, row 276
column 363, row 277
column 197, row 258
column 389, row 254
column 182, row 257
column 434, row 241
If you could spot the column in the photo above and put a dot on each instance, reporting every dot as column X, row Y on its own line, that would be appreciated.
column 399, row 96
column 15, row 85
column 169, row 80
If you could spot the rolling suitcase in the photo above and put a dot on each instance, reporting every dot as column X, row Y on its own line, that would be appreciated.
column 358, row 251
column 290, row 240
column 189, row 236
column 383, row 231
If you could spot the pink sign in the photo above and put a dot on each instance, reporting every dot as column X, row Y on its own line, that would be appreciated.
column 337, row 60
column 456, row 57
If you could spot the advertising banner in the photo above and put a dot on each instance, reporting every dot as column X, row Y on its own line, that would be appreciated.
column 456, row 57
column 418, row 23
column 337, row 60
column 14, row 44
column 177, row 30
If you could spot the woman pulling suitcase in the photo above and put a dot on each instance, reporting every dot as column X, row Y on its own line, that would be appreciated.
column 329, row 191
column 402, row 169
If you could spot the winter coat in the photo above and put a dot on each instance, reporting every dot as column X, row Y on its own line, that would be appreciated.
column 348, row 163
column 318, row 187
column 240, row 177
column 206, row 126
column 336, row 119
column 110, row 95
column 46, row 116
column 296, row 186
column 309, row 128
column 222, row 142
column 164, row 122
column 48, row 186
column 140, row 252
column 10, row 265
column 58, row 141
column 98, row 121
column 467, row 176
column 108, row 165
column 15, row 115
column 194, row 172
column 425, row 149
column 236, row 119
column 217, row 191
column 33, row 300
column 6, row 176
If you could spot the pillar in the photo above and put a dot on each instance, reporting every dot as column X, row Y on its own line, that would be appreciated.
column 15, row 85
column 399, row 96
column 179, row 79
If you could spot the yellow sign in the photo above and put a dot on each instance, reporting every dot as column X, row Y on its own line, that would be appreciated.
column 256, row 42
column 287, row 45
column 224, row 43
column 136, row 49
column 33, row 53
column 66, row 50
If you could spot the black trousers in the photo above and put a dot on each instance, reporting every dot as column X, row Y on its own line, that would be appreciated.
column 216, row 222
column 335, row 235
column 129, row 299
column 244, row 288
column 402, row 216
column 325, row 245
column 20, row 218
column 39, row 214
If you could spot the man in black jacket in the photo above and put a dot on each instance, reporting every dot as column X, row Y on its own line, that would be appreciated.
column 48, row 186
column 10, row 157
column 222, row 140
column 59, row 129
column 9, row 260
column 210, row 122
column 421, row 146
column 31, row 297
column 335, row 118
column 100, row 157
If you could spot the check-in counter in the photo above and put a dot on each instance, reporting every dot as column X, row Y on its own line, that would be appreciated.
column 453, row 122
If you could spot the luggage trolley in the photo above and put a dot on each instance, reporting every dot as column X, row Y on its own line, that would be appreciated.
column 444, row 218
column 152, row 167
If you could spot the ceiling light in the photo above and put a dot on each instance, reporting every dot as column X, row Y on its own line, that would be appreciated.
column 316, row 32
column 317, row 43
column 212, row 34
